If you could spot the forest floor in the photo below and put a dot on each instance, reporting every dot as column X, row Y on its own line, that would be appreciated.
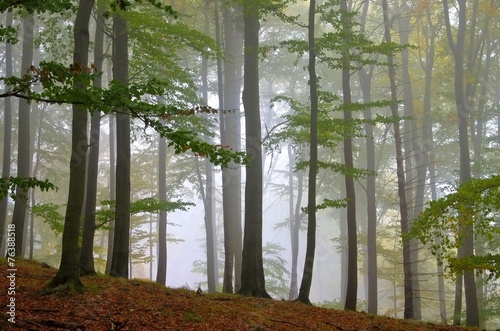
column 118, row 304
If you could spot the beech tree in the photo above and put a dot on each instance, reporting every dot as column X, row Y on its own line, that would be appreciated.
column 252, row 270
column 68, row 275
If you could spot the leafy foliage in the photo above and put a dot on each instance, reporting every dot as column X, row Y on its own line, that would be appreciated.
column 51, row 215
column 147, row 205
column 58, row 83
column 9, row 185
column 475, row 203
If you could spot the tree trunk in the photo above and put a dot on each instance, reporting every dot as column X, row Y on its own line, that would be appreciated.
column 161, row 274
column 408, row 290
column 112, row 189
column 472, row 311
column 23, row 146
column 305, row 286
column 352, row 241
column 68, row 275
column 119, row 265
column 416, row 167
column 295, row 221
column 87, row 250
column 7, row 140
column 365, row 80
column 208, row 193
column 252, row 272
column 431, row 31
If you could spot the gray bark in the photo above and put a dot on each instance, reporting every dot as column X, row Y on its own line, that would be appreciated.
column 88, row 230
column 252, row 271
column 23, row 146
column 68, row 275
column 7, row 139
column 408, row 289
column 121, row 252
column 457, row 47
column 352, row 241
column 305, row 286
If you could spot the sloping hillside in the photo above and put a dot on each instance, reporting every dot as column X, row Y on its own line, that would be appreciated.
column 118, row 304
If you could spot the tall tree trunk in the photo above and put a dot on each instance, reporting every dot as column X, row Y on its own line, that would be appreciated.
column 252, row 272
column 7, row 139
column 112, row 190
column 119, row 265
column 416, row 167
column 408, row 290
column 365, row 80
column 87, row 250
column 23, row 144
column 229, row 78
column 295, row 221
column 68, row 275
column 305, row 286
column 208, row 192
column 161, row 274
column 430, row 31
column 457, row 47
column 34, row 174
column 352, row 241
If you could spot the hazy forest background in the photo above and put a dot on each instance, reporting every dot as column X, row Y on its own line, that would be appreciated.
column 353, row 115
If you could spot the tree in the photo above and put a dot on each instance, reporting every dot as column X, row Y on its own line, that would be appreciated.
column 89, row 223
column 408, row 283
column 119, row 265
column 7, row 139
column 252, row 271
column 467, row 250
column 68, row 275
column 24, row 136
column 305, row 286
column 352, row 266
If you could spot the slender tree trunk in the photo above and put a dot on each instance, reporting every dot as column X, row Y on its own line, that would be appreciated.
column 161, row 275
column 34, row 174
column 472, row 312
column 408, row 289
column 88, row 231
column 352, row 241
column 208, row 193
column 112, row 190
column 7, row 139
column 68, row 275
column 416, row 167
column 23, row 145
column 365, row 80
column 252, row 272
column 305, row 286
column 295, row 221
column 430, row 31
column 119, row 265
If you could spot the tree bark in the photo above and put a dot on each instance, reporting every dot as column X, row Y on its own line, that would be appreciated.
column 408, row 290
column 161, row 274
column 68, row 275
column 120, row 265
column 305, row 286
column 252, row 272
column 457, row 47
column 23, row 146
column 88, row 230
column 352, row 241
column 7, row 139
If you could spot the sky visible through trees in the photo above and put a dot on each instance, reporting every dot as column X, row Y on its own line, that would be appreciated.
column 348, row 149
